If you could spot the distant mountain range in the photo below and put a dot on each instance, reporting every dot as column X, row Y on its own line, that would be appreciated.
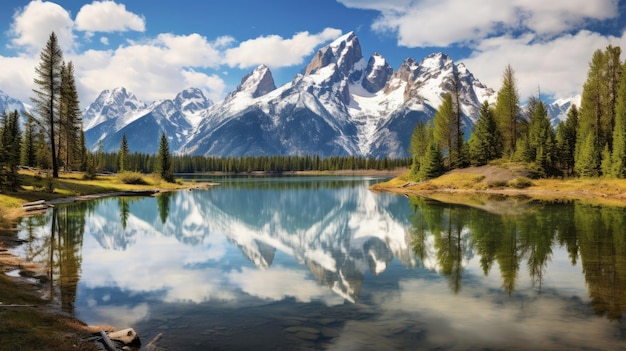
column 342, row 104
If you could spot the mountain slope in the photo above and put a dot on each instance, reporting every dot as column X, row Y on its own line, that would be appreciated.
column 342, row 104
column 117, row 112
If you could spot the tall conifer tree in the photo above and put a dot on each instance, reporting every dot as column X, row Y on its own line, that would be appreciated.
column 444, row 131
column 618, row 157
column 598, row 109
column 566, row 139
column 123, row 155
column 164, row 160
column 69, row 118
column 28, row 154
column 507, row 110
column 10, row 140
column 48, row 81
column 418, row 147
column 485, row 143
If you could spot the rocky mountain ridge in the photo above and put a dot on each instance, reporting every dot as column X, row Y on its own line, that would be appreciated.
column 342, row 104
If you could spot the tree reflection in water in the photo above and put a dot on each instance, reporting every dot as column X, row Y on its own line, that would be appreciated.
column 512, row 234
column 595, row 235
column 57, row 249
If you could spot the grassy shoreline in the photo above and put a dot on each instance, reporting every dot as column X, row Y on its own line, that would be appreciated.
column 499, row 181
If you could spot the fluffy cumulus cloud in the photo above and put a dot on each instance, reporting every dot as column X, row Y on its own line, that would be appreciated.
column 153, row 67
column 447, row 22
column 108, row 16
column 548, row 43
column 32, row 26
column 557, row 67
column 276, row 51
column 135, row 67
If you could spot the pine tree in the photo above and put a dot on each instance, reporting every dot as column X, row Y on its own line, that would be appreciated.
column 48, row 81
column 163, row 165
column 42, row 153
column 433, row 162
column 443, row 128
column 83, row 152
column 485, row 143
column 28, row 153
column 597, row 114
column 605, row 164
column 610, row 90
column 10, row 141
column 566, row 139
column 587, row 162
column 507, row 111
column 541, row 141
column 70, row 122
column 618, row 157
column 418, row 147
column 123, row 158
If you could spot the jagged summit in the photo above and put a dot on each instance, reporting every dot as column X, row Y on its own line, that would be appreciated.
column 255, row 84
column 341, row 105
column 344, row 52
column 377, row 73
column 111, row 104
column 192, row 100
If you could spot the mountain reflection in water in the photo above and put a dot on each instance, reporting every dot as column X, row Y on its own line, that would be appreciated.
column 316, row 243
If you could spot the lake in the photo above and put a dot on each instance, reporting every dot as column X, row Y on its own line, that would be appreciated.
column 322, row 263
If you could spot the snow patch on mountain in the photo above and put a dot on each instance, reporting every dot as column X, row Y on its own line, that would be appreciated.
column 342, row 104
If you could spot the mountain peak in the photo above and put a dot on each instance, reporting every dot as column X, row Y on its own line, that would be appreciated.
column 111, row 104
column 255, row 84
column 345, row 52
column 377, row 73
column 192, row 100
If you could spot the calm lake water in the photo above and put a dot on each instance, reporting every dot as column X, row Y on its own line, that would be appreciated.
column 322, row 263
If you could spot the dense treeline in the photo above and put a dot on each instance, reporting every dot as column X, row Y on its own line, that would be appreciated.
column 146, row 163
column 590, row 143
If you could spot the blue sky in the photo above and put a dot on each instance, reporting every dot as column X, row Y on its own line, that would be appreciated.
column 157, row 48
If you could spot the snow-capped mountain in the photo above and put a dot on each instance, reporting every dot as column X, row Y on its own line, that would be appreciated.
column 9, row 104
column 559, row 108
column 342, row 104
column 117, row 112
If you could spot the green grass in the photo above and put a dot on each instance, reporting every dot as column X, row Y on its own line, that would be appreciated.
column 34, row 188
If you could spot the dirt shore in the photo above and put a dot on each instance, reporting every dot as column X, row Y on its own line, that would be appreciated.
column 488, row 181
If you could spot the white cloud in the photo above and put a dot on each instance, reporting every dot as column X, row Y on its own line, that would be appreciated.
column 17, row 75
column 546, row 42
column 132, row 67
column 104, row 40
column 188, row 50
column 32, row 26
column 442, row 23
column 559, row 67
column 154, row 70
column 108, row 16
column 276, row 51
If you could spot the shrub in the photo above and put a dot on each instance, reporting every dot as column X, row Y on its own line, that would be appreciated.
column 127, row 177
column 520, row 183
